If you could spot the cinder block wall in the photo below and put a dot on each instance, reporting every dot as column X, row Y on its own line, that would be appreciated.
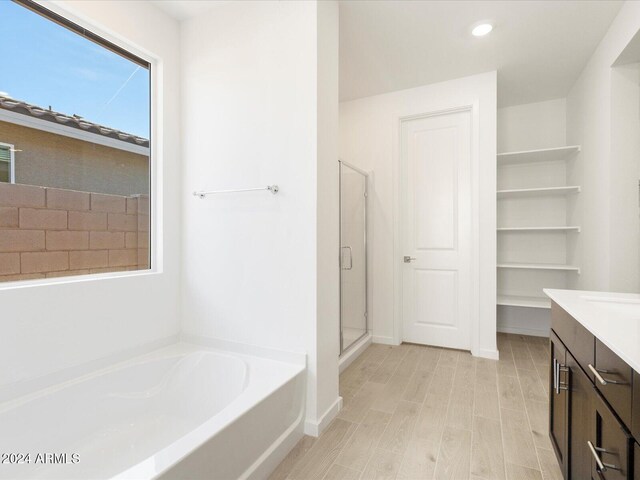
column 50, row 232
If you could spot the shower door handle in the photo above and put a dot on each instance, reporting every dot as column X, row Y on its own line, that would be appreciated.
column 348, row 248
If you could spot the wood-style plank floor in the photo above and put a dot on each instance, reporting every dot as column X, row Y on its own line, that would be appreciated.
column 419, row 413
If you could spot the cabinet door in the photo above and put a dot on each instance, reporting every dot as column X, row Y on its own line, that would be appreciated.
column 636, row 462
column 558, row 405
column 581, row 405
column 610, row 445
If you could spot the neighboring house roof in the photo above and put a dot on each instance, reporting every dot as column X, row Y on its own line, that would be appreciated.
column 73, row 121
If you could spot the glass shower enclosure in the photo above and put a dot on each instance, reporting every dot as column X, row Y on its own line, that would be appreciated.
column 353, row 255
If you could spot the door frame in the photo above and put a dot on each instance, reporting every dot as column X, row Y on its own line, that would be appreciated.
column 398, row 219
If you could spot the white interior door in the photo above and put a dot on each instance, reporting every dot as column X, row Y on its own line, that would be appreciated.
column 436, row 230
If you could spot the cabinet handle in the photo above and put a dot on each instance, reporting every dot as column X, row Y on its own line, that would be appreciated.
column 557, row 384
column 563, row 385
column 602, row 467
column 604, row 381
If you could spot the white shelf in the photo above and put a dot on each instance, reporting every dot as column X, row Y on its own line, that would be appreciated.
column 540, row 155
column 538, row 192
column 575, row 229
column 523, row 301
column 539, row 266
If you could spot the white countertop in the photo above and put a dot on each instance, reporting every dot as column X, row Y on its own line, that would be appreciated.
column 613, row 318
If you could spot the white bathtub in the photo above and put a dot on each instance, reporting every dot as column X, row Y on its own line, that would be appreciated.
column 183, row 411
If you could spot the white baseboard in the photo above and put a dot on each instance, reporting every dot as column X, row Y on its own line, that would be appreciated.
column 490, row 354
column 534, row 332
column 354, row 352
column 314, row 429
column 383, row 340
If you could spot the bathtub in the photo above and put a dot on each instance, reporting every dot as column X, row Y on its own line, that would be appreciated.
column 183, row 411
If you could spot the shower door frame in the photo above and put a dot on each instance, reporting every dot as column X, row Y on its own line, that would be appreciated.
column 342, row 164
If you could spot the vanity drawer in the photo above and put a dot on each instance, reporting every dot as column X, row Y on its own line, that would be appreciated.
column 578, row 340
column 611, row 447
column 614, row 381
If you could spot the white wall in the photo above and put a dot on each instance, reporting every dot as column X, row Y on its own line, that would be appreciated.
column 328, row 217
column 624, row 220
column 590, row 107
column 532, row 126
column 368, row 139
column 259, row 83
column 53, row 328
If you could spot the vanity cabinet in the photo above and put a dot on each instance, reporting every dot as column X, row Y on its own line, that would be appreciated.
column 594, row 405
column 635, row 409
column 558, row 406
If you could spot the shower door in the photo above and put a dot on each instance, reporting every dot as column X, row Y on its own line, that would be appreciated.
column 353, row 255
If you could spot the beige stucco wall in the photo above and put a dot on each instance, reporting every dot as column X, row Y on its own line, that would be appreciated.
column 50, row 160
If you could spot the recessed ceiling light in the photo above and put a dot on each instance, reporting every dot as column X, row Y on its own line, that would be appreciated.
column 481, row 30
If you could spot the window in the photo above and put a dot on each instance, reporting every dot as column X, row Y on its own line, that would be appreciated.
column 75, row 154
column 6, row 163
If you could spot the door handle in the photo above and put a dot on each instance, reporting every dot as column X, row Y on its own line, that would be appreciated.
column 348, row 248
column 408, row 259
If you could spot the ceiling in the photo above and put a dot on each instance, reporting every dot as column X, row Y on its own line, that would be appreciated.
column 183, row 9
column 538, row 47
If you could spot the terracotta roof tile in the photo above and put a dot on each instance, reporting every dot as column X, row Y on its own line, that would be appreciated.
column 73, row 121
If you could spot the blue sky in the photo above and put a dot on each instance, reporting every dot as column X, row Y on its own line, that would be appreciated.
column 45, row 64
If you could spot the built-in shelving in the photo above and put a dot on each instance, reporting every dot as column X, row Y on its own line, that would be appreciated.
column 540, row 155
column 575, row 229
column 540, row 266
column 524, row 275
column 538, row 192
column 523, row 301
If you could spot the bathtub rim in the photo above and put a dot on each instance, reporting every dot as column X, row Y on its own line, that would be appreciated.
column 29, row 386
column 51, row 383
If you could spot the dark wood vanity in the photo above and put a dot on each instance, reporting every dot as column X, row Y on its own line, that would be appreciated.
column 594, row 405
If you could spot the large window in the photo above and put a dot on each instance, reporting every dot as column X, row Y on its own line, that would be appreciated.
column 74, row 149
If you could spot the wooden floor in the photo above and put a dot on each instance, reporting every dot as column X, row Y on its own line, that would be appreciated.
column 419, row 413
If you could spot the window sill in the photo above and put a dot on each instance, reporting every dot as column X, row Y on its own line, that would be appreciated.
column 45, row 282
